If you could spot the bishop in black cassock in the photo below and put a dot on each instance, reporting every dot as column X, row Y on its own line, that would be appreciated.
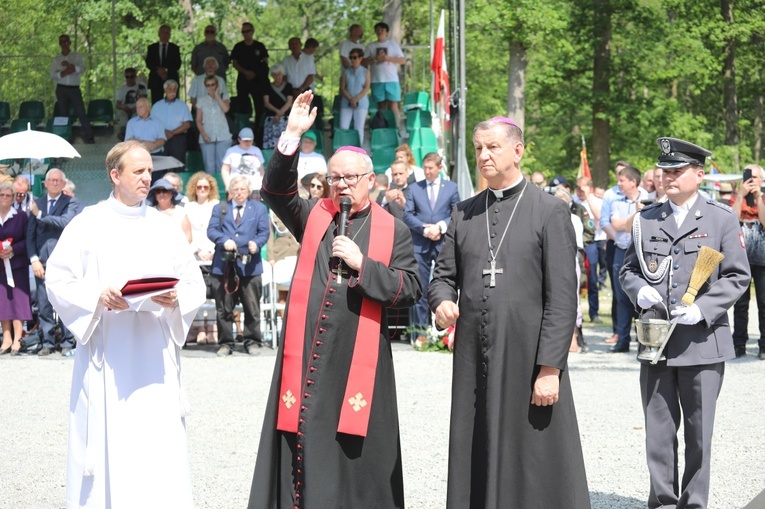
column 321, row 464
column 510, row 253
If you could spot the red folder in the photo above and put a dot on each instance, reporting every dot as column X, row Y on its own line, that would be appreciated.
column 149, row 284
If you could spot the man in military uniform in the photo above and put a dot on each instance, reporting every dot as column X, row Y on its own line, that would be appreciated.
column 658, row 269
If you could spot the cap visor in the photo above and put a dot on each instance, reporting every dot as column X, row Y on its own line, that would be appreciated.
column 672, row 164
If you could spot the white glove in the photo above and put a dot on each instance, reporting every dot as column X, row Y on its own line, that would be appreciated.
column 688, row 315
column 647, row 297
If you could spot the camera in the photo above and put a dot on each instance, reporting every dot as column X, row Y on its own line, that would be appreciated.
column 231, row 256
column 646, row 202
column 550, row 189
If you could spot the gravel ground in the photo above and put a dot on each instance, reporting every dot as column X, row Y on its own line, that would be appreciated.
column 228, row 398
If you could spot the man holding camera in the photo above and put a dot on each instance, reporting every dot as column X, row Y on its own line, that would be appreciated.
column 749, row 205
column 239, row 228
column 622, row 213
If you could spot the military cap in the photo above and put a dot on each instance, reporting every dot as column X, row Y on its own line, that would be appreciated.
column 678, row 153
column 559, row 180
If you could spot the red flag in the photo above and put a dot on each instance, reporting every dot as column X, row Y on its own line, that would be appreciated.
column 438, row 66
column 584, row 166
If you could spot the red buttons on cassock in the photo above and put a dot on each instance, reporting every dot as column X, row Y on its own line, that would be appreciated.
column 322, row 330
column 319, row 343
column 309, row 382
column 315, row 356
column 324, row 317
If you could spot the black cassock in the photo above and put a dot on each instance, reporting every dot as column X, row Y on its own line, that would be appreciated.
column 338, row 470
column 505, row 452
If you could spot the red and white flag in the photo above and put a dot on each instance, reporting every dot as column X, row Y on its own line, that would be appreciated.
column 441, row 92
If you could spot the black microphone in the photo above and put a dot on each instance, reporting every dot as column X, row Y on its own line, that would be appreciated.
column 345, row 209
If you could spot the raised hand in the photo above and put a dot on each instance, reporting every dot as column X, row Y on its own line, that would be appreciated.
column 302, row 116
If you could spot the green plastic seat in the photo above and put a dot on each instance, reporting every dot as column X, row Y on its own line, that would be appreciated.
column 20, row 124
column 65, row 131
column 241, row 120
column 372, row 106
column 422, row 137
column 194, row 161
column 417, row 101
column 72, row 115
column 32, row 110
column 336, row 106
column 185, row 176
column 382, row 138
column 382, row 159
column 390, row 119
column 5, row 112
column 345, row 137
column 420, row 152
column 267, row 153
column 100, row 112
column 416, row 119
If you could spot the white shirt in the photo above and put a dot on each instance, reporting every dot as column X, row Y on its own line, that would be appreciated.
column 311, row 163
column 56, row 68
column 384, row 72
column 298, row 70
column 346, row 46
column 198, row 89
column 127, row 96
column 679, row 212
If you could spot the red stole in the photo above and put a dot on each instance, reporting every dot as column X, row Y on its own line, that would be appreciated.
column 357, row 402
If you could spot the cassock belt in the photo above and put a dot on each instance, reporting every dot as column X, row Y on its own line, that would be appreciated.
column 357, row 401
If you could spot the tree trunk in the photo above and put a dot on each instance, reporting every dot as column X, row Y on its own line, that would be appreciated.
column 729, row 77
column 392, row 16
column 186, row 4
column 601, row 127
column 516, row 83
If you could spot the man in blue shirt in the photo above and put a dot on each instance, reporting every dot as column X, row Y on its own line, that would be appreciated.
column 175, row 117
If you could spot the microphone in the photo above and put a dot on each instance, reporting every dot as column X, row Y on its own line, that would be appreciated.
column 345, row 209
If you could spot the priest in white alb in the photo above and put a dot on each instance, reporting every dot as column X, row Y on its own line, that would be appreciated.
column 127, row 430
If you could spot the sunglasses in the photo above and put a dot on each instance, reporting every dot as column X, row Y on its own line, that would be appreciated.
column 202, row 187
column 162, row 191
column 317, row 186
column 21, row 195
column 208, row 85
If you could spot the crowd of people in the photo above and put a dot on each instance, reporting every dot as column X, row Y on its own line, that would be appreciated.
column 150, row 111
column 503, row 266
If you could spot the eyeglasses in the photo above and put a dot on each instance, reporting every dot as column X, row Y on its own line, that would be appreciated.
column 202, row 186
column 21, row 195
column 129, row 76
column 350, row 180
column 317, row 186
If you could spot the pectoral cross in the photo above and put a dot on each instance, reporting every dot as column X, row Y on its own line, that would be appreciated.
column 340, row 271
column 493, row 271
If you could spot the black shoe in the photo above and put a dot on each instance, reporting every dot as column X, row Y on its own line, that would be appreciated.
column 761, row 355
column 596, row 319
column 90, row 141
column 45, row 351
column 740, row 351
column 618, row 349
column 252, row 349
column 224, row 351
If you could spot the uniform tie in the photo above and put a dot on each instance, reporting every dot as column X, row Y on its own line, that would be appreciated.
column 238, row 215
column 432, row 193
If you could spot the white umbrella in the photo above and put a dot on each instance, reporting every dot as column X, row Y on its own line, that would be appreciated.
column 722, row 177
column 33, row 144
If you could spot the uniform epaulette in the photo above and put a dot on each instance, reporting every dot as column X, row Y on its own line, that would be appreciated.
column 651, row 206
column 723, row 206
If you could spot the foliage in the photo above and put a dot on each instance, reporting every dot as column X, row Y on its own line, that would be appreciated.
column 665, row 70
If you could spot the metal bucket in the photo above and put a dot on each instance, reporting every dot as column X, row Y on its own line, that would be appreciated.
column 652, row 331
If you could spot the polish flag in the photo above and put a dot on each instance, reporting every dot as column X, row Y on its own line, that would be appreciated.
column 438, row 66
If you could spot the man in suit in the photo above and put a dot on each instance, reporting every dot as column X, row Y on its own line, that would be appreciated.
column 238, row 233
column 427, row 213
column 656, row 272
column 163, row 59
column 23, row 194
column 394, row 199
column 48, row 216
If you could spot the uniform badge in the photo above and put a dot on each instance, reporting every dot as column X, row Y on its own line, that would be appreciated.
column 665, row 146
column 663, row 215
column 698, row 213
column 653, row 265
column 741, row 238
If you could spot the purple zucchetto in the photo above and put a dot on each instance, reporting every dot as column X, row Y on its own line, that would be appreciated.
column 351, row 148
column 505, row 120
